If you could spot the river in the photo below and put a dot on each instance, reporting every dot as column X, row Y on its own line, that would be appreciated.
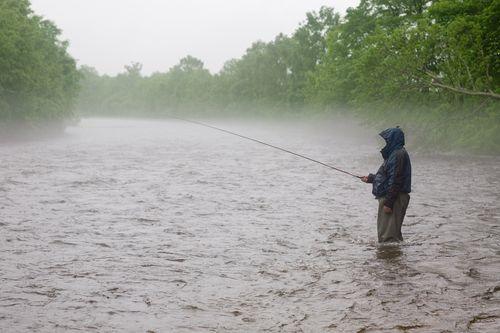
column 125, row 225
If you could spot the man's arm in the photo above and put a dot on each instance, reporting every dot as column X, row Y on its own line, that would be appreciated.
column 395, row 178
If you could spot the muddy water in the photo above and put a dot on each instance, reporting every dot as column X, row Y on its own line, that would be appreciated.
column 140, row 226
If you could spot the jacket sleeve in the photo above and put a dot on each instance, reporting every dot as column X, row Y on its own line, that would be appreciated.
column 395, row 177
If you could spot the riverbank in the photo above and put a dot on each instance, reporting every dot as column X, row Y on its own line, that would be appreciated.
column 30, row 131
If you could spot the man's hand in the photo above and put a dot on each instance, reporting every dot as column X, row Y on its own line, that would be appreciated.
column 387, row 210
column 364, row 179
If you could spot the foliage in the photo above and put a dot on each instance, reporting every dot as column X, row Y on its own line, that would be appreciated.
column 38, row 79
column 185, row 87
column 431, row 66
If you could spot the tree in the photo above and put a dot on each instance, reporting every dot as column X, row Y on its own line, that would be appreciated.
column 38, row 78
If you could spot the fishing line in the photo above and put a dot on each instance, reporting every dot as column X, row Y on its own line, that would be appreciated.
column 268, row 144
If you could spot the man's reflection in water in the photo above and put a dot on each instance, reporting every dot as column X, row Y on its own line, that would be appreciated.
column 392, row 267
column 390, row 252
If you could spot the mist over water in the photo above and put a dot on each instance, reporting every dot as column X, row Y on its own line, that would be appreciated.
column 157, row 226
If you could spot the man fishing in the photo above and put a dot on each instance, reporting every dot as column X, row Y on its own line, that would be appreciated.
column 391, row 186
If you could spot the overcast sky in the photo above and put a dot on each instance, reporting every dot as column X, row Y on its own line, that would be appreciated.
column 107, row 34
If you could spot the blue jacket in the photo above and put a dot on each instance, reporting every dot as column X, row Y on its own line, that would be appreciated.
column 394, row 175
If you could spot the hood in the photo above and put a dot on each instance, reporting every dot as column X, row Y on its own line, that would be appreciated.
column 394, row 140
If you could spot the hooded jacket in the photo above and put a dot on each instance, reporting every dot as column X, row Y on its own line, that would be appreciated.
column 394, row 175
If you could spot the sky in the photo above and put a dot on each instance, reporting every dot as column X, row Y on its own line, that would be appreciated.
column 108, row 34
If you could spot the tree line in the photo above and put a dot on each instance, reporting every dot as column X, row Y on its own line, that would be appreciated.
column 38, row 78
column 269, row 77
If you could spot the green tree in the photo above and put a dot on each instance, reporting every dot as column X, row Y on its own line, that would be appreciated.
column 38, row 78
column 428, row 64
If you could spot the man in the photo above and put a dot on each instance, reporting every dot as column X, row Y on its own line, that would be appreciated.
column 391, row 186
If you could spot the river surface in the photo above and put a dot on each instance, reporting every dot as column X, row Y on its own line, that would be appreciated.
column 165, row 226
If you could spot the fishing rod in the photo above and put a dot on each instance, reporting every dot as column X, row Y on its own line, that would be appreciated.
column 268, row 144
